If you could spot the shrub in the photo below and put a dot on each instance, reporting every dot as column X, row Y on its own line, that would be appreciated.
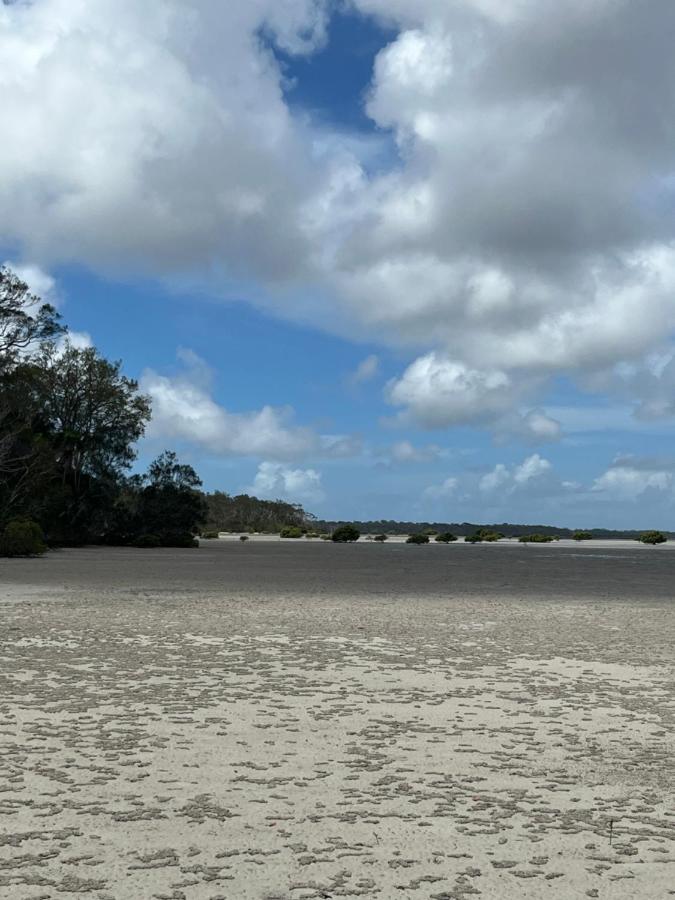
column 210, row 535
column 311, row 535
column 178, row 539
column 381, row 538
column 445, row 538
column 582, row 536
column 484, row 534
column 22, row 537
column 291, row 531
column 653, row 537
column 346, row 534
column 146, row 540
column 243, row 537
column 535, row 539
column 417, row 539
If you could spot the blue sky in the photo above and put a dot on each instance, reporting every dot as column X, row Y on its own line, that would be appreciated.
column 356, row 261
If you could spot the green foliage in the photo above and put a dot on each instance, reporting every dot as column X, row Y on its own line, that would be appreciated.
column 243, row 537
column 581, row 535
column 446, row 537
column 291, row 531
column 210, row 535
column 380, row 538
column 245, row 513
column 535, row 539
column 418, row 539
column 22, row 537
column 182, row 539
column 25, row 323
column 653, row 537
column 484, row 534
column 345, row 534
column 147, row 541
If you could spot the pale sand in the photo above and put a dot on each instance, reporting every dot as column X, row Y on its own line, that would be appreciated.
column 222, row 741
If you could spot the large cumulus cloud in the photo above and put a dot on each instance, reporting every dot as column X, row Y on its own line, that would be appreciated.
column 525, row 229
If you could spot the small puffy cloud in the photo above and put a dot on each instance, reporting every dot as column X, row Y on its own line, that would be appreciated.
column 366, row 370
column 183, row 409
column 445, row 489
column 406, row 452
column 437, row 392
column 532, row 471
column 274, row 481
column 533, row 427
column 628, row 478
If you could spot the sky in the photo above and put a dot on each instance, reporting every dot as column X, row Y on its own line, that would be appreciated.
column 409, row 259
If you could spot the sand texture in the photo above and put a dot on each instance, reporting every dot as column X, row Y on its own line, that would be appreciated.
column 301, row 722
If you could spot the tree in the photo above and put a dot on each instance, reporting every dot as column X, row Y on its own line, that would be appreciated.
column 535, row 539
column 418, row 539
column 25, row 322
column 447, row 537
column 653, row 537
column 484, row 534
column 169, row 503
column 345, row 534
column 581, row 535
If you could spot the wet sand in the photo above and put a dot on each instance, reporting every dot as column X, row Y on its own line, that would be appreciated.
column 273, row 720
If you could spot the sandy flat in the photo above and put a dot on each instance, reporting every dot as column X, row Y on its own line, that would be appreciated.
column 312, row 722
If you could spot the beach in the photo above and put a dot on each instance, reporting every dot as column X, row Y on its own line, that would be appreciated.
column 267, row 720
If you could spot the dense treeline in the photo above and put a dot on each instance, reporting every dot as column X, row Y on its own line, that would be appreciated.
column 245, row 513
column 389, row 526
column 69, row 423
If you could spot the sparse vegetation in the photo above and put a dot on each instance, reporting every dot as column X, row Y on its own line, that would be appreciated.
column 291, row 531
column 417, row 539
column 22, row 537
column 581, row 535
column 210, row 535
column 653, row 537
column 536, row 539
column 486, row 535
column 446, row 537
column 380, row 538
column 345, row 534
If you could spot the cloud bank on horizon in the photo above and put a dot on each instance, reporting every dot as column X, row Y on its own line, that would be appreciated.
column 521, row 230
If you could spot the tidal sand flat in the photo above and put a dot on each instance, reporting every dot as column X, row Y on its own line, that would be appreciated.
column 285, row 721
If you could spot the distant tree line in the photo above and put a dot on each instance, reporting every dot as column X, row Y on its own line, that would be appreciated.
column 245, row 513
column 69, row 423
column 505, row 529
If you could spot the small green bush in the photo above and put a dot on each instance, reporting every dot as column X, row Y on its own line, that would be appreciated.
column 291, row 531
column 210, row 535
column 484, row 534
column 380, row 538
column 22, row 537
column 445, row 538
column 146, row 541
column 582, row 536
column 243, row 537
column 181, row 539
column 417, row 539
column 535, row 539
column 653, row 537
column 345, row 534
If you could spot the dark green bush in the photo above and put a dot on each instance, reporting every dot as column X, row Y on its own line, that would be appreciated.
column 178, row 539
column 381, row 538
column 147, row 540
column 418, row 539
column 346, row 534
column 291, row 531
column 484, row 534
column 582, row 536
column 445, row 538
column 210, row 535
column 653, row 537
column 22, row 537
column 535, row 539
column 243, row 537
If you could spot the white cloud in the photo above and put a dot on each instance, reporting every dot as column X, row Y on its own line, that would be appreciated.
column 183, row 409
column 532, row 471
column 406, row 452
column 628, row 478
column 274, row 481
column 445, row 489
column 366, row 370
column 40, row 283
column 524, row 231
